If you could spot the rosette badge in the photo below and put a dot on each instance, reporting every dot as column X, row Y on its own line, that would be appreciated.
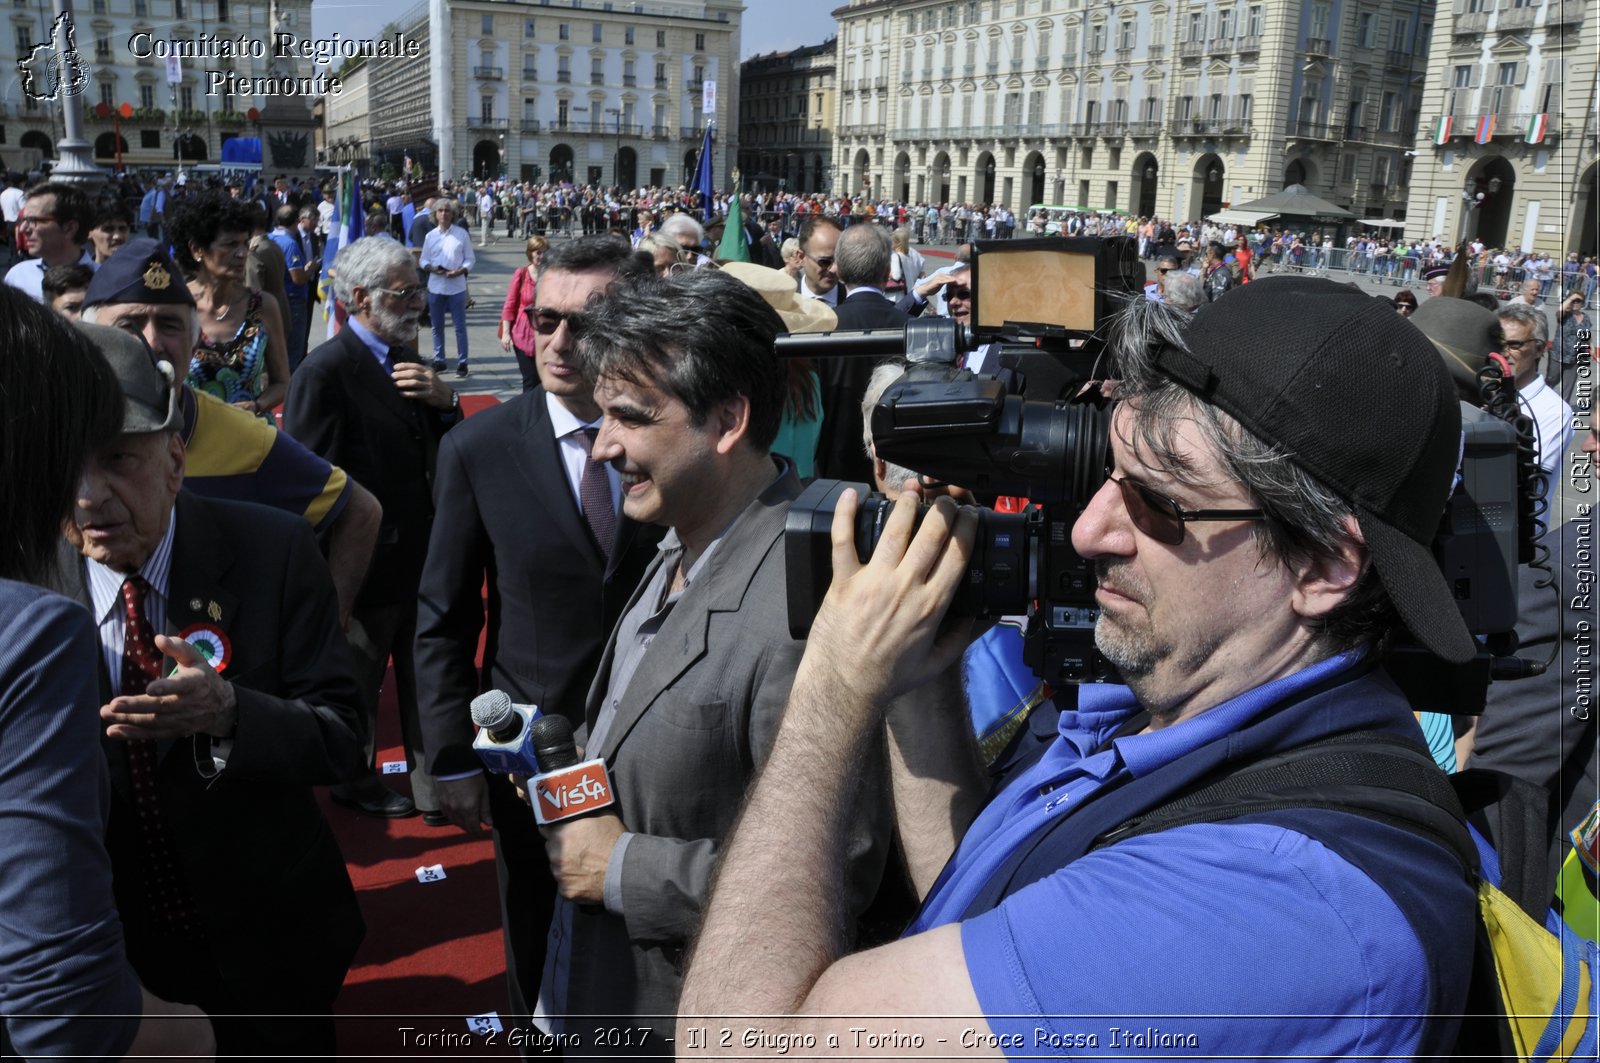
column 212, row 643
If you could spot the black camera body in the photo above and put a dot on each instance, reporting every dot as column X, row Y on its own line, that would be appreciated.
column 1031, row 429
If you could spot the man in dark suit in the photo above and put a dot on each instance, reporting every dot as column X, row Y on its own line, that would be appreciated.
column 693, row 679
column 231, row 888
column 521, row 505
column 367, row 403
column 862, row 258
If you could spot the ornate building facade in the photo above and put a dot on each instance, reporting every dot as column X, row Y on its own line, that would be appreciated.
column 121, row 43
column 786, row 111
column 1508, row 151
column 591, row 91
column 1176, row 108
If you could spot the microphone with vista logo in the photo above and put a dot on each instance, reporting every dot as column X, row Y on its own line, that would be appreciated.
column 565, row 787
column 505, row 740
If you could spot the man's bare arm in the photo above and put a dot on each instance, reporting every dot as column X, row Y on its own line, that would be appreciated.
column 350, row 542
column 936, row 776
column 876, row 635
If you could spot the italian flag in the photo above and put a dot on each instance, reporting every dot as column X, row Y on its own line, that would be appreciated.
column 1538, row 125
column 1485, row 129
column 1441, row 132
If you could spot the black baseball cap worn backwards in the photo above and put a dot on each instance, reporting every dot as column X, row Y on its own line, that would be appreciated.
column 1358, row 398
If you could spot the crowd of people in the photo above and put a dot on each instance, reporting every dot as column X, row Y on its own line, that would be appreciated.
column 806, row 828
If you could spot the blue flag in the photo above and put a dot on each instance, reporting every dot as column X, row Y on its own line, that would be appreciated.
column 702, row 177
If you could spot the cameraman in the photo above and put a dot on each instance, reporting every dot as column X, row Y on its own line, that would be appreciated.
column 1243, row 597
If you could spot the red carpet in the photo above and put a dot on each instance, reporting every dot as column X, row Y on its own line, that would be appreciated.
column 433, row 954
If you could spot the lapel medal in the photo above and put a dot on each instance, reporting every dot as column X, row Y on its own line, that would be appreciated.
column 212, row 644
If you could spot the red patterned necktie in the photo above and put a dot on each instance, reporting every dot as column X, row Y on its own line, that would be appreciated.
column 594, row 490
column 165, row 893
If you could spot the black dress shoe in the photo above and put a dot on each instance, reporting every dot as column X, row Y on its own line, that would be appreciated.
column 438, row 366
column 385, row 804
column 461, row 370
column 436, row 819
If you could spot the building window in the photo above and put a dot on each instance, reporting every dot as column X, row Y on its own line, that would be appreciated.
column 222, row 11
column 149, row 138
column 486, row 109
column 530, row 68
column 102, row 47
column 597, row 73
column 141, row 8
column 1127, row 33
column 1097, row 38
column 661, row 75
column 1225, row 24
column 699, row 42
column 1366, row 25
column 563, row 115
column 1386, row 113
column 108, row 92
column 147, row 96
column 186, row 97
column 1197, row 26
column 99, row 5
column 661, row 38
column 488, row 25
column 597, row 33
column 563, row 68
column 180, row 8
column 530, row 27
column 1254, row 29
column 627, row 36
column 24, row 42
column 564, row 32
column 1111, row 195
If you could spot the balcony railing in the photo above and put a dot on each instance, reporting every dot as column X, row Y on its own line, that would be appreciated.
column 1399, row 57
column 1470, row 22
column 1155, row 51
column 1308, row 130
column 488, row 123
column 880, row 83
column 564, row 76
column 697, row 86
column 993, row 68
column 1189, row 49
column 968, row 69
column 1563, row 14
column 530, row 125
column 493, row 73
column 1144, row 129
column 530, row 73
column 661, row 83
column 1319, row 46
column 689, row 132
column 1250, row 42
column 630, row 80
column 660, row 132
column 949, row 71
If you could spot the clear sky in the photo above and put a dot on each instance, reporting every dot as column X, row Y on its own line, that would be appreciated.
column 769, row 25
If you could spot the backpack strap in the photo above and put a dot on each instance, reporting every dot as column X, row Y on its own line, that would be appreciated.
column 1369, row 773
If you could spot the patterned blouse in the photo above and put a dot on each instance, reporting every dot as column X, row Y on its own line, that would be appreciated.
column 231, row 370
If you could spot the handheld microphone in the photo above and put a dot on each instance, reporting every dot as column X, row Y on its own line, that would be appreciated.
column 504, row 740
column 565, row 787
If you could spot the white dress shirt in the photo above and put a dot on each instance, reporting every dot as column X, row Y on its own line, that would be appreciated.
column 448, row 249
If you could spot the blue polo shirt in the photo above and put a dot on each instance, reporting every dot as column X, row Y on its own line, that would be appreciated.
column 1211, row 940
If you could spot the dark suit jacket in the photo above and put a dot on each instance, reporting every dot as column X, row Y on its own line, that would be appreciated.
column 342, row 405
column 506, row 516
column 841, row 454
column 506, row 512
column 1528, row 728
column 258, row 857
column 694, row 726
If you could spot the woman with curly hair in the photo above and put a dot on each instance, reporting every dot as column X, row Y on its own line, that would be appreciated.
column 242, row 356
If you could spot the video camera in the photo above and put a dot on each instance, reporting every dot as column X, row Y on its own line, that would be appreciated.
column 1031, row 428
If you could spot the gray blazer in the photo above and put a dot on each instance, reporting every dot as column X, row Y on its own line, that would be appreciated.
column 694, row 726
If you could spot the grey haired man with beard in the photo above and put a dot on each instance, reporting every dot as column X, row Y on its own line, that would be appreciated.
column 366, row 402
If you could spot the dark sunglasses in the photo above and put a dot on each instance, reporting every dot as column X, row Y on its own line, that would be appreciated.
column 545, row 322
column 1163, row 519
column 958, row 293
